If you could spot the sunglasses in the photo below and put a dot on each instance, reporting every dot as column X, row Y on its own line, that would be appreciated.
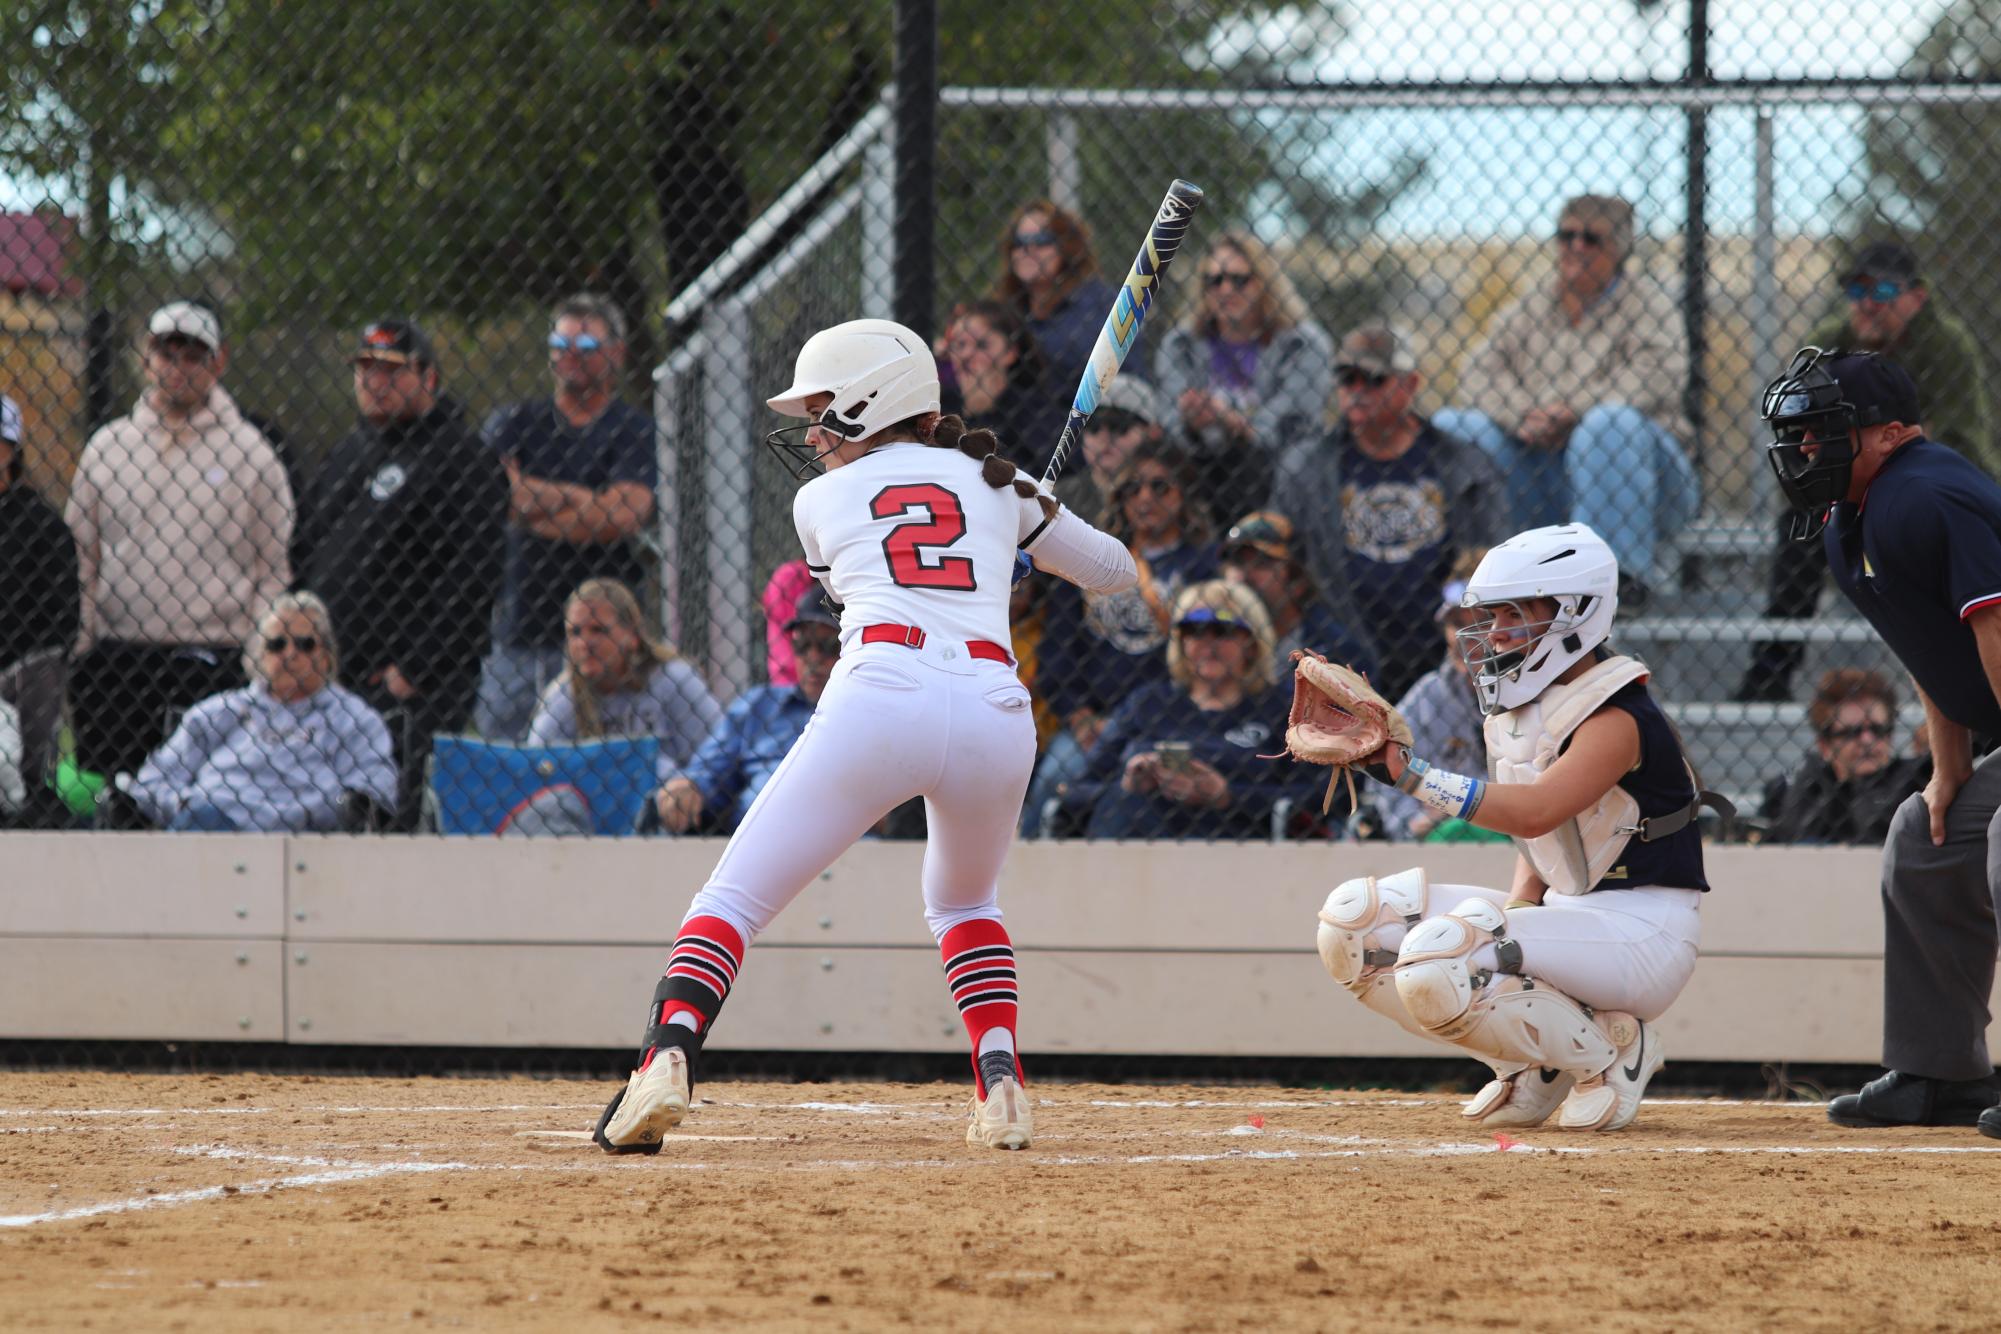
column 1153, row 486
column 1023, row 240
column 279, row 643
column 1881, row 291
column 1236, row 280
column 580, row 343
column 1359, row 379
column 816, row 646
column 1114, row 420
column 1212, row 630
column 1858, row 730
column 1578, row 236
column 186, row 352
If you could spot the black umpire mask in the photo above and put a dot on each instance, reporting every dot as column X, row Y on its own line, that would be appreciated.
column 1813, row 437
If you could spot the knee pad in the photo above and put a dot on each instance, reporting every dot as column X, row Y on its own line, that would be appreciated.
column 1498, row 1014
column 1354, row 912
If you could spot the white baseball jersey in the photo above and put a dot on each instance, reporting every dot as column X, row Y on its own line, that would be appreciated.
column 911, row 534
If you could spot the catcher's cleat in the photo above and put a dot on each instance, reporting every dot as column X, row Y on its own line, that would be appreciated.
column 1611, row 1099
column 1525, row 1098
column 1002, row 1119
column 652, row 1102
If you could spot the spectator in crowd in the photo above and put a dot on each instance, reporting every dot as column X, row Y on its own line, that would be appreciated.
column 182, row 517
column 1130, row 413
column 1891, row 309
column 711, row 792
column 780, row 602
column 993, row 377
column 1247, row 370
column 1049, row 274
column 1848, row 789
column 621, row 681
column 401, row 534
column 1576, row 392
column 1095, row 649
column 1261, row 551
column 38, row 596
column 1443, row 711
column 583, row 466
column 279, row 755
column 1189, row 757
column 1384, row 503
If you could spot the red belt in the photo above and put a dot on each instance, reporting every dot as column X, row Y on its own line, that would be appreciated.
column 912, row 637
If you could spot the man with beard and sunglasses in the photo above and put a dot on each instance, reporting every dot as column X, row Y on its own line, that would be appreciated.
column 1912, row 534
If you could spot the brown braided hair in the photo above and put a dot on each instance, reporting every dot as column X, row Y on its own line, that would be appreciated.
column 949, row 432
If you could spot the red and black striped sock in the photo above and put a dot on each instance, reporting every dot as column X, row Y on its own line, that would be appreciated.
column 704, row 963
column 979, row 968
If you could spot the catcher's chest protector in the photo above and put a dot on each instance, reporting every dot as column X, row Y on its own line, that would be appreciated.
column 1522, row 742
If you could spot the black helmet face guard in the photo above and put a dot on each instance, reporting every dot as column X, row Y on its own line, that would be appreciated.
column 796, row 452
column 1813, row 436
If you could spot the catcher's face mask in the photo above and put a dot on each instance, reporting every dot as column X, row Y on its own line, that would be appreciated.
column 1505, row 642
column 1813, row 438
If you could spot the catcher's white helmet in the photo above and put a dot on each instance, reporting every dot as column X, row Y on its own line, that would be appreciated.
column 1568, row 563
column 879, row 372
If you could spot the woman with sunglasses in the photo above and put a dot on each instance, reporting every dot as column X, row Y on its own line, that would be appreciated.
column 279, row 755
column 1848, row 789
column 1098, row 647
column 912, row 524
column 1049, row 275
column 1558, row 982
column 1248, row 370
column 992, row 377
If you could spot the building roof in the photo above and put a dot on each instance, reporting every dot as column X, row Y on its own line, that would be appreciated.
column 34, row 250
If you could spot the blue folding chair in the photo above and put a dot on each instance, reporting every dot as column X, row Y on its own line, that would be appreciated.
column 485, row 787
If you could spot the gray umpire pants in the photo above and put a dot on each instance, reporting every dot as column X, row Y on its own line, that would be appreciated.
column 1940, row 906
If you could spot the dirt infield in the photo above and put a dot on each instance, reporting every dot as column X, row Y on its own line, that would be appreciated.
column 257, row 1202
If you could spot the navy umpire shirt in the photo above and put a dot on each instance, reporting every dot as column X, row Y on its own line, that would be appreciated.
column 1920, row 554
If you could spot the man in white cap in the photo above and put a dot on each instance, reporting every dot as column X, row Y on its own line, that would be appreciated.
column 37, row 557
column 182, row 515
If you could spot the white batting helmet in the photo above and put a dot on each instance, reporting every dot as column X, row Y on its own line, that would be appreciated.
column 878, row 371
column 1567, row 562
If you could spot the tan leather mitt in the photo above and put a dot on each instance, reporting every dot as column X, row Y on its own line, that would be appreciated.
column 1338, row 718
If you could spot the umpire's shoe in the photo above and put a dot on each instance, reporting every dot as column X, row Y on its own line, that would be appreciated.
column 1898, row 1099
column 1001, row 1119
column 652, row 1102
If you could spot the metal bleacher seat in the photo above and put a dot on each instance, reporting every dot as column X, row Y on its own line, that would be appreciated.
column 1738, row 748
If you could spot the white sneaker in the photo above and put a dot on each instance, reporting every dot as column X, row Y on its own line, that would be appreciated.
column 654, row 1101
column 1525, row 1098
column 1610, row 1100
column 1001, row 1120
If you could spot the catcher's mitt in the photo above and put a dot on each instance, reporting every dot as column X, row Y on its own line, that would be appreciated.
column 1338, row 718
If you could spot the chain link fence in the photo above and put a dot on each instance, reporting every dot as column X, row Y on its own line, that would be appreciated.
column 390, row 385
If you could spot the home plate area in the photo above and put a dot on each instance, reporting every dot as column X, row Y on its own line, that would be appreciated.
column 251, row 1201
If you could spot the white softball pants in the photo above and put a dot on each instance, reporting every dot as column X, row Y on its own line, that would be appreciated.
column 894, row 723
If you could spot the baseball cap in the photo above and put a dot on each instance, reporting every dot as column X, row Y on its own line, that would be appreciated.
column 1207, row 615
column 1265, row 531
column 812, row 609
column 1869, row 380
column 395, row 341
column 1452, row 599
column 10, row 420
column 1376, row 349
column 185, row 319
column 1883, row 259
column 1129, row 393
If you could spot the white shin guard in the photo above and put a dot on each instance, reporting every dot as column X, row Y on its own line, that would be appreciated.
column 1501, row 1016
column 1356, row 950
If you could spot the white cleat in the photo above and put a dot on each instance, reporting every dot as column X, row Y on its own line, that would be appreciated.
column 1610, row 1100
column 1001, row 1120
column 653, row 1103
column 1525, row 1098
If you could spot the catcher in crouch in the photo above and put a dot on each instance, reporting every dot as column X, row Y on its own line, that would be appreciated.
column 1558, row 982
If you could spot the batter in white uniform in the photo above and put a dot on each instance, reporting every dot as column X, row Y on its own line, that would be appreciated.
column 913, row 530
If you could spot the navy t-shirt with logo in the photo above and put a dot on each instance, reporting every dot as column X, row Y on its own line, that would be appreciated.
column 1395, row 517
column 1917, row 556
column 541, row 574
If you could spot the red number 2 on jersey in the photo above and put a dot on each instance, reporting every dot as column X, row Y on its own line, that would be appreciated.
column 912, row 545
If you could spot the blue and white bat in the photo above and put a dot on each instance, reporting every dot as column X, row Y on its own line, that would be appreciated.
column 1115, row 340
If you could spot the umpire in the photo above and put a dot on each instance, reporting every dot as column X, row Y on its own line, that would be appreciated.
column 1913, row 538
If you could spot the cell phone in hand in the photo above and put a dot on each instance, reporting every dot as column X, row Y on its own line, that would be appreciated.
column 1174, row 756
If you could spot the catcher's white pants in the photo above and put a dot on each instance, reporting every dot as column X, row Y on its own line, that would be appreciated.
column 1615, row 949
column 894, row 723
